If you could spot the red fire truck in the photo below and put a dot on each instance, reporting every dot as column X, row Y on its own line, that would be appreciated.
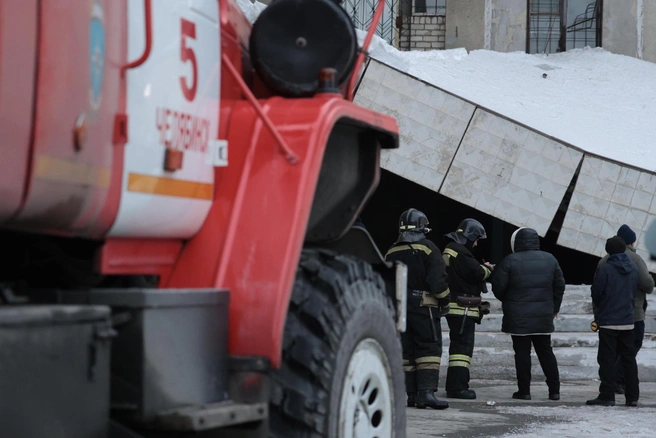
column 178, row 193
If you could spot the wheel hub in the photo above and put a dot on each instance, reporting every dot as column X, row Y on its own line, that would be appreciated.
column 367, row 397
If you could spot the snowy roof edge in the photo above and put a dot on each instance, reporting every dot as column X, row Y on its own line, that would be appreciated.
column 503, row 116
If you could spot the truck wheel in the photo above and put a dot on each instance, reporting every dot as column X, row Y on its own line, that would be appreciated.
column 341, row 374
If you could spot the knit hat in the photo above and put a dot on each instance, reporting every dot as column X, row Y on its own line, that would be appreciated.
column 626, row 233
column 615, row 245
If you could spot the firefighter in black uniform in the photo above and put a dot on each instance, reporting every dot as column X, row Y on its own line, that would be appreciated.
column 428, row 298
column 466, row 279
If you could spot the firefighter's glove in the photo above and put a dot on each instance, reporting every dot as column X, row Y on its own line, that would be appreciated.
column 483, row 309
column 444, row 310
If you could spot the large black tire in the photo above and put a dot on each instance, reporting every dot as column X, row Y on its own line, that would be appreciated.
column 340, row 326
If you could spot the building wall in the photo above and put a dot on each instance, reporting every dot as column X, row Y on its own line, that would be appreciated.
column 629, row 27
column 649, row 31
column 508, row 25
column 426, row 32
column 465, row 25
column 619, row 33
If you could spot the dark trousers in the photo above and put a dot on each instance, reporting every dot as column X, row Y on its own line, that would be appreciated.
column 421, row 353
column 613, row 343
column 542, row 345
column 461, row 348
column 638, row 337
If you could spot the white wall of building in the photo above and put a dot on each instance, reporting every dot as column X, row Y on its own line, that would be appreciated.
column 629, row 26
column 620, row 28
column 465, row 24
column 508, row 25
column 649, row 31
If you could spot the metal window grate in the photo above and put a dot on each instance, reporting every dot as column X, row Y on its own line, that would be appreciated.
column 362, row 12
column 544, row 28
column 583, row 27
column 429, row 7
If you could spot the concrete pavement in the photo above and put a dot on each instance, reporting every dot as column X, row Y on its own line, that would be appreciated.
column 509, row 417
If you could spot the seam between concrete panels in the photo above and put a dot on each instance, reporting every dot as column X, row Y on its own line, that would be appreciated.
column 556, row 225
column 439, row 191
column 361, row 78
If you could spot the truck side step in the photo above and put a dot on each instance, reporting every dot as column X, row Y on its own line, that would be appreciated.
column 211, row 416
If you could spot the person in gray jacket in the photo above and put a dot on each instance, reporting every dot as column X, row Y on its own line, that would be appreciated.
column 645, row 286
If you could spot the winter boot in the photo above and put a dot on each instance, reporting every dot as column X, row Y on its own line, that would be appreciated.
column 426, row 398
column 465, row 394
column 600, row 402
column 426, row 387
column 411, row 386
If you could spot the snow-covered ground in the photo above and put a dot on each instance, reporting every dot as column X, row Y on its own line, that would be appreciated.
column 603, row 103
column 575, row 422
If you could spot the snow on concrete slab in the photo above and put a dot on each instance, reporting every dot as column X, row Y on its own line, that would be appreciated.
column 251, row 9
column 574, row 422
column 603, row 103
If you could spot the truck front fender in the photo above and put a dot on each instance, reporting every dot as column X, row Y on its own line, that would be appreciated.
column 252, row 238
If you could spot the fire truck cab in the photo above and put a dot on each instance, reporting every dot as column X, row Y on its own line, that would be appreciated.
column 178, row 193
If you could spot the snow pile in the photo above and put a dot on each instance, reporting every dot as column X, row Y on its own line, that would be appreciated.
column 251, row 9
column 383, row 52
column 602, row 103
column 592, row 421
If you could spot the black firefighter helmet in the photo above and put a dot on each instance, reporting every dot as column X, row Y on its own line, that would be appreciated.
column 413, row 226
column 469, row 230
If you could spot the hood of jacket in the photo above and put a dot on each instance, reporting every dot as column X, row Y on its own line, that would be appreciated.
column 525, row 239
column 622, row 262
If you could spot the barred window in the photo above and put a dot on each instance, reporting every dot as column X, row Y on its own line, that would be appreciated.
column 430, row 7
column 559, row 25
column 583, row 24
column 544, row 26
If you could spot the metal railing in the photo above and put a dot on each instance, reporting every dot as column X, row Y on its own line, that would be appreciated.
column 362, row 12
column 545, row 18
column 585, row 31
column 395, row 24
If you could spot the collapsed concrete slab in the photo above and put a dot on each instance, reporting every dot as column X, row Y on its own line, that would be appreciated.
column 505, row 168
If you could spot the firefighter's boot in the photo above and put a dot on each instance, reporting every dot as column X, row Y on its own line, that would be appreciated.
column 410, row 383
column 465, row 394
column 426, row 386
column 426, row 398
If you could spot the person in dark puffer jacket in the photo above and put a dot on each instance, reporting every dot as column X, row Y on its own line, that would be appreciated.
column 613, row 296
column 645, row 286
column 530, row 285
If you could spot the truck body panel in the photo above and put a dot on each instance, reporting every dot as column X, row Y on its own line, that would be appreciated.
column 172, row 104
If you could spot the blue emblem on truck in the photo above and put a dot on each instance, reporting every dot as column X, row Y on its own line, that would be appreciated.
column 96, row 53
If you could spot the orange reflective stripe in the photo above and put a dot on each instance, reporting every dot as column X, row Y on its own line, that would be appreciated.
column 72, row 172
column 157, row 185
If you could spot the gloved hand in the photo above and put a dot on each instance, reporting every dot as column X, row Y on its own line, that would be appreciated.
column 444, row 310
